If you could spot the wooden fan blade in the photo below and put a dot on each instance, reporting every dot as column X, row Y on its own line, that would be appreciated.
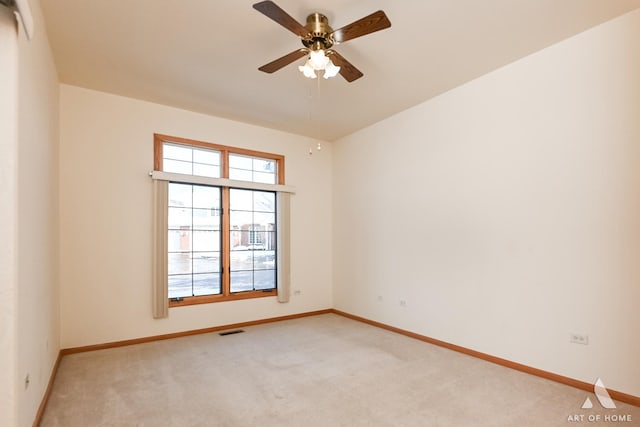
column 347, row 70
column 285, row 60
column 273, row 11
column 369, row 24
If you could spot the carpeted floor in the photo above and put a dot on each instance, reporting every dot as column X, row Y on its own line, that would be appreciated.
column 316, row 371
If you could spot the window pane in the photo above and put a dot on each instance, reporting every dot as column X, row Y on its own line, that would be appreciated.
column 193, row 262
column 241, row 260
column 187, row 285
column 253, row 169
column 175, row 166
column 240, row 174
column 262, row 240
column 206, row 197
column 206, row 262
column 246, row 240
column 239, row 240
column 176, row 152
column 208, row 157
column 206, row 170
column 237, row 161
column 241, row 200
column 264, row 201
column 206, row 284
column 266, row 220
column 179, row 263
column 264, row 279
column 194, row 240
column 206, row 241
column 180, row 195
column 190, row 161
column 267, row 178
column 264, row 260
column 252, row 239
column 241, row 220
column 180, row 286
column 236, row 239
column 206, row 219
column 179, row 218
column 241, row 281
column 263, row 165
column 179, row 240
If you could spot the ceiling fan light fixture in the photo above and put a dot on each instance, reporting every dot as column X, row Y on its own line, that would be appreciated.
column 331, row 70
column 317, row 36
column 318, row 59
column 307, row 70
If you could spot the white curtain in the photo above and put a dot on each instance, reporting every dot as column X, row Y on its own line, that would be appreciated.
column 160, row 226
column 283, row 246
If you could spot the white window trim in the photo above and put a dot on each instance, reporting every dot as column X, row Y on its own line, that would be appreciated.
column 220, row 182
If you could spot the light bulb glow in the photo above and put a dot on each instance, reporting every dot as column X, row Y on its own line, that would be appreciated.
column 307, row 70
column 318, row 60
column 331, row 70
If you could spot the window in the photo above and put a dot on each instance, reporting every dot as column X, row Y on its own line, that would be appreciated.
column 194, row 240
column 245, row 168
column 221, row 236
column 190, row 160
column 253, row 237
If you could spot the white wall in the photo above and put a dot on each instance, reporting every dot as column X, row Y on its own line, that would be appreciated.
column 38, row 323
column 28, row 219
column 8, row 215
column 506, row 212
column 106, row 154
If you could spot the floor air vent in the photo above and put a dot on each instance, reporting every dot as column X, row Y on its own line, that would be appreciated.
column 237, row 331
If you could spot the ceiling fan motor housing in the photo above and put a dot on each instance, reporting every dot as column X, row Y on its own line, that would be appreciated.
column 320, row 33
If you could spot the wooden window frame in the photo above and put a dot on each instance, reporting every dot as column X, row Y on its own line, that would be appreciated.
column 158, row 144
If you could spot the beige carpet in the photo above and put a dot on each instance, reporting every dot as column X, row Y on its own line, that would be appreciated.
column 316, row 371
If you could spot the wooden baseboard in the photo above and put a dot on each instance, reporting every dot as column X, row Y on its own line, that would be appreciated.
column 617, row 395
column 47, row 392
column 123, row 343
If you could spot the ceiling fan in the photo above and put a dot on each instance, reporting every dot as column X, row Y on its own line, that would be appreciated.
column 318, row 39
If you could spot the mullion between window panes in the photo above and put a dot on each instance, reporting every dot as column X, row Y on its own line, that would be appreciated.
column 192, row 234
column 225, row 234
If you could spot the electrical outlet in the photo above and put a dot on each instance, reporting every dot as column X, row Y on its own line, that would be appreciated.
column 403, row 303
column 297, row 292
column 579, row 338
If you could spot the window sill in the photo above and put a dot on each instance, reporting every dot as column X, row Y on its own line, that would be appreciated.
column 208, row 299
